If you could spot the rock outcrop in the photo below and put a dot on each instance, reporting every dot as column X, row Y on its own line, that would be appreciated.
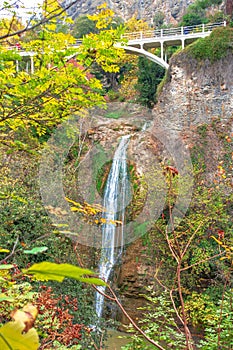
column 141, row 9
column 196, row 92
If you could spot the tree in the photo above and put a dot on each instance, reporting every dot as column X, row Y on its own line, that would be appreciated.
column 178, row 303
column 58, row 87
column 158, row 19
column 192, row 19
column 82, row 26
column 149, row 76
column 196, row 13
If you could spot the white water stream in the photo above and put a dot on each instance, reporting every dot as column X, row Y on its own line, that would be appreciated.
column 116, row 197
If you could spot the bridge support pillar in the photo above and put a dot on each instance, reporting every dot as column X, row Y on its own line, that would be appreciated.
column 162, row 51
column 32, row 64
column 165, row 56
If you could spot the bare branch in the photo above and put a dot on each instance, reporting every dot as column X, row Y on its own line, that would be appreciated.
column 43, row 21
column 133, row 323
column 202, row 261
column 190, row 240
column 12, row 252
column 188, row 336
column 116, row 300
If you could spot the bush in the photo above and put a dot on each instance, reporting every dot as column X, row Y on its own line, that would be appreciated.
column 213, row 47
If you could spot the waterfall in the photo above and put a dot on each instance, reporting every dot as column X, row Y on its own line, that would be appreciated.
column 116, row 197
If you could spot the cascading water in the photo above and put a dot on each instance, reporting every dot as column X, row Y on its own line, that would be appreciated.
column 116, row 197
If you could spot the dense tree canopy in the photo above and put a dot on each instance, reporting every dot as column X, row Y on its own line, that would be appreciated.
column 58, row 86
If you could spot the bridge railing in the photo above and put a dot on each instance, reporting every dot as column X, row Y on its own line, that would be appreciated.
column 164, row 32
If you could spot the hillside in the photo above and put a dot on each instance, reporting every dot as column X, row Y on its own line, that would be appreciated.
column 144, row 9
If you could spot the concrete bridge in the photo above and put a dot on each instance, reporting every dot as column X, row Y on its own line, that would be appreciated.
column 138, row 43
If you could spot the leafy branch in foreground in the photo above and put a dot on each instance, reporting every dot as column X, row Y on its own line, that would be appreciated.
column 48, row 271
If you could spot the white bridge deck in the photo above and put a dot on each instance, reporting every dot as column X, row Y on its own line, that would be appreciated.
column 138, row 43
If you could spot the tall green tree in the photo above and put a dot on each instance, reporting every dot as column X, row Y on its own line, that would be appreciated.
column 196, row 13
column 149, row 76
column 82, row 26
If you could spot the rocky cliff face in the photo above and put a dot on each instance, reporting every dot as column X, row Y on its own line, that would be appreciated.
column 144, row 9
column 196, row 92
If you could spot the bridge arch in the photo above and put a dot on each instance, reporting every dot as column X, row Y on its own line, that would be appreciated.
column 147, row 54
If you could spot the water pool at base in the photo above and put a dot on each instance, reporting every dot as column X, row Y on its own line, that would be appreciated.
column 114, row 342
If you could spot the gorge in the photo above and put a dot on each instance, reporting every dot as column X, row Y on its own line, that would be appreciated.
column 196, row 103
column 98, row 183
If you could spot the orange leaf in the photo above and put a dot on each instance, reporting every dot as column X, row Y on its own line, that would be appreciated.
column 27, row 316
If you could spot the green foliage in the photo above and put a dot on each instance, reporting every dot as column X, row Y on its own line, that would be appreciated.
column 23, row 221
column 46, row 271
column 115, row 114
column 202, row 130
column 58, row 87
column 196, row 12
column 200, row 310
column 35, row 250
column 203, row 263
column 213, row 47
column 192, row 19
column 113, row 96
column 31, row 106
column 149, row 77
column 159, row 323
column 16, row 295
column 218, row 16
column 6, row 266
column 82, row 26
column 158, row 19
column 54, row 318
column 207, row 3
column 219, row 331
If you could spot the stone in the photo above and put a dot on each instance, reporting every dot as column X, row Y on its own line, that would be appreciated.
column 172, row 9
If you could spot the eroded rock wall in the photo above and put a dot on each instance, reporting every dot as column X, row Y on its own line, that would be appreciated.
column 196, row 92
column 144, row 9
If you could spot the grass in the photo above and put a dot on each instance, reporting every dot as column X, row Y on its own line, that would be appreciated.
column 115, row 114
column 213, row 47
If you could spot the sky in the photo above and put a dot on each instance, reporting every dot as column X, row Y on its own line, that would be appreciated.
column 23, row 6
